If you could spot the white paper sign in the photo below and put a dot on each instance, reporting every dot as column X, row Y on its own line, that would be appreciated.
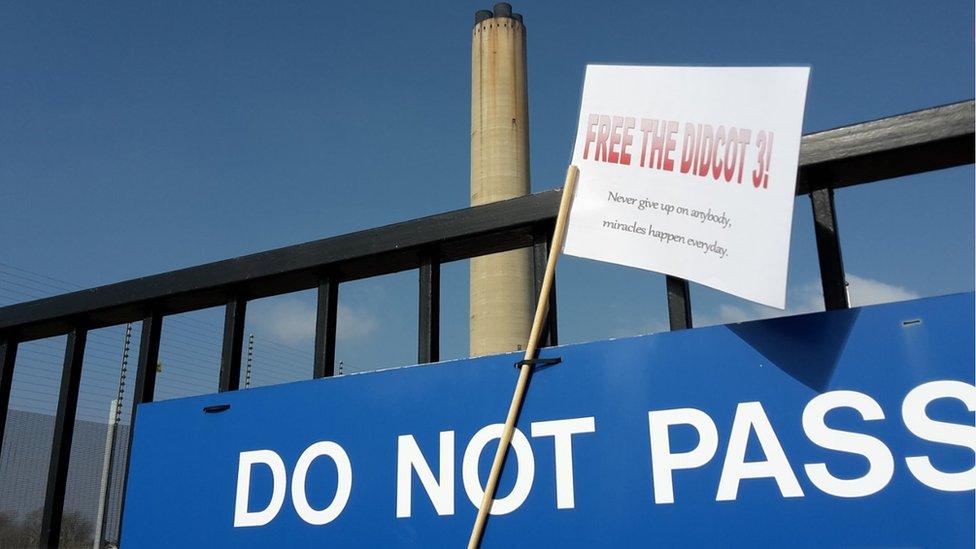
column 690, row 171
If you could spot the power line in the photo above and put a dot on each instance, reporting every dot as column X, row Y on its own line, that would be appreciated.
column 9, row 266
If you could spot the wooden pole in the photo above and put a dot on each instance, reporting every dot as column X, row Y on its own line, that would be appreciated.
column 525, row 371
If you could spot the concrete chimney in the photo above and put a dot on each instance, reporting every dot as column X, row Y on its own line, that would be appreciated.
column 502, row 289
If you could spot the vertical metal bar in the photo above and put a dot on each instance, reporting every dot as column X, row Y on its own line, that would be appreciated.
column 145, row 387
column 828, row 250
column 64, row 429
column 541, row 240
column 8, row 356
column 429, row 317
column 679, row 303
column 552, row 336
column 152, row 326
column 325, row 327
column 230, row 356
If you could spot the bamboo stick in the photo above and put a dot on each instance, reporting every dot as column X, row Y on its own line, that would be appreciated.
column 526, row 370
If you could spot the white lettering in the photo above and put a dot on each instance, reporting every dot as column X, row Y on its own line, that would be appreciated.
column 913, row 413
column 440, row 492
column 562, row 431
column 526, row 469
column 343, row 485
column 247, row 460
column 750, row 416
column 881, row 464
column 663, row 461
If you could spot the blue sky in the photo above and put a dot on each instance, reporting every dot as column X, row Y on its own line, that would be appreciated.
column 143, row 137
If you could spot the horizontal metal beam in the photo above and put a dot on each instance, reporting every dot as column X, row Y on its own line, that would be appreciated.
column 915, row 142
column 455, row 235
column 921, row 141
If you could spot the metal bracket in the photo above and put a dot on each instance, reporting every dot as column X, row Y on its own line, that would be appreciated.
column 216, row 408
column 538, row 362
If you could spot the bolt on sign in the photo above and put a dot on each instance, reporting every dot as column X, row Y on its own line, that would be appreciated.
column 691, row 172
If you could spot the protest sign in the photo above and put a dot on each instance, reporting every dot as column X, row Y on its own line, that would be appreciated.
column 690, row 171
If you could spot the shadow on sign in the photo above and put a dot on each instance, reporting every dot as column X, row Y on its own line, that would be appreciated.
column 807, row 347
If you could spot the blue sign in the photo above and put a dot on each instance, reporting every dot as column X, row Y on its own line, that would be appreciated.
column 849, row 428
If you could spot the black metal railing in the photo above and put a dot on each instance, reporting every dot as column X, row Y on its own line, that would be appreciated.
column 916, row 142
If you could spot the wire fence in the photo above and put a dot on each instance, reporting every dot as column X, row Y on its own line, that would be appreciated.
column 188, row 365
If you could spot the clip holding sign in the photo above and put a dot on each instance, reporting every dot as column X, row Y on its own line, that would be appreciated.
column 216, row 408
column 538, row 362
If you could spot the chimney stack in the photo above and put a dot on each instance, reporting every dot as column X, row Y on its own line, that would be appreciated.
column 502, row 288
